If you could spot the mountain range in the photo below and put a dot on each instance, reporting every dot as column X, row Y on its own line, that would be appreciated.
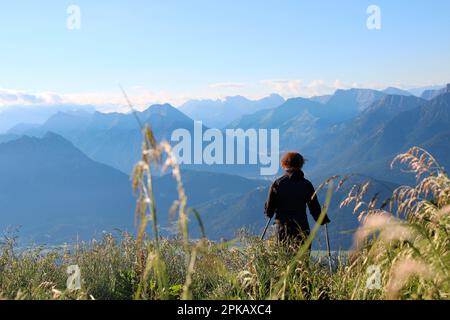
column 329, row 132
column 115, row 138
column 218, row 113
column 430, row 94
column 32, row 116
column 53, row 194
column 368, row 143
column 301, row 120
column 69, row 175
column 112, row 138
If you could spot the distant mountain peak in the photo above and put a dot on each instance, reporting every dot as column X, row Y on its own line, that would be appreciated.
column 236, row 98
column 397, row 91
column 350, row 102
column 49, row 135
column 219, row 113
column 160, row 107
column 165, row 109
column 67, row 193
column 433, row 93
column 298, row 100
column 49, row 138
column 397, row 99
column 355, row 90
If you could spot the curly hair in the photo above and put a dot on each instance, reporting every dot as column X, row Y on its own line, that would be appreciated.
column 292, row 161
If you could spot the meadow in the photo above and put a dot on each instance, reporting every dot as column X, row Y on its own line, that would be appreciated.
column 401, row 251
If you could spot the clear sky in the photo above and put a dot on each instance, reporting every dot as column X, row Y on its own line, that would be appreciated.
column 174, row 50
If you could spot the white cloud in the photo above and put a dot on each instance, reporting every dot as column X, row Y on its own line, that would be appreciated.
column 104, row 101
column 142, row 97
column 227, row 85
column 10, row 97
column 300, row 88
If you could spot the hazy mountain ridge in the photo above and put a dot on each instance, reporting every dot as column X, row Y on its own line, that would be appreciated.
column 433, row 93
column 35, row 115
column 340, row 137
column 114, row 138
column 49, row 184
column 349, row 117
column 419, row 126
column 218, row 113
column 353, row 131
column 397, row 91
column 55, row 193
column 301, row 120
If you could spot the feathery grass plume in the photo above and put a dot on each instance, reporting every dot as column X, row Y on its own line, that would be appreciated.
column 153, row 154
column 417, row 244
column 385, row 226
column 146, row 211
column 402, row 271
column 183, row 221
column 418, row 161
column 356, row 195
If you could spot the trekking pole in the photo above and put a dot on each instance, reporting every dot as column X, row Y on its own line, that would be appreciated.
column 328, row 248
column 265, row 229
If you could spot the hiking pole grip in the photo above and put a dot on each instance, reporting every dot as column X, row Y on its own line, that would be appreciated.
column 265, row 229
column 328, row 248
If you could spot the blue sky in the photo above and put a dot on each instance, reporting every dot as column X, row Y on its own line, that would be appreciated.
column 175, row 50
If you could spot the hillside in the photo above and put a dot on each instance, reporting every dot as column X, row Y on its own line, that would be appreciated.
column 421, row 124
column 301, row 120
column 30, row 116
column 55, row 193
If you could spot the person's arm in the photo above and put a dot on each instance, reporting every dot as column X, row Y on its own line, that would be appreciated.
column 314, row 205
column 271, row 203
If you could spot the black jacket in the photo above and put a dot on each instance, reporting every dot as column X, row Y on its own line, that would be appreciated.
column 288, row 197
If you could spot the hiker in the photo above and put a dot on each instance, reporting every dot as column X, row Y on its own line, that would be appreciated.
column 287, row 200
